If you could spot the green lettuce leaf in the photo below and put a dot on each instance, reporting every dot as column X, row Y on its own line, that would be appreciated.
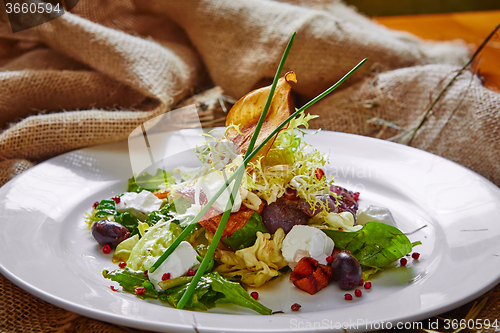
column 152, row 245
column 200, row 300
column 129, row 280
column 247, row 235
column 234, row 293
column 164, row 213
column 150, row 182
column 211, row 290
column 106, row 209
column 376, row 245
column 122, row 251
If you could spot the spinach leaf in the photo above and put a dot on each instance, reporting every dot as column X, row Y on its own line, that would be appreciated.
column 247, row 235
column 104, row 209
column 375, row 245
column 146, row 181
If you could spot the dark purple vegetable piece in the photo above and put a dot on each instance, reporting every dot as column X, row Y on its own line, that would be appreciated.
column 347, row 203
column 109, row 232
column 284, row 214
column 306, row 207
column 346, row 270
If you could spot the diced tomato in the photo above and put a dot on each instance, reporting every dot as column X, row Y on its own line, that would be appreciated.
column 310, row 276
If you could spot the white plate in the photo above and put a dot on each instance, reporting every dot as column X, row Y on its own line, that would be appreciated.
column 46, row 249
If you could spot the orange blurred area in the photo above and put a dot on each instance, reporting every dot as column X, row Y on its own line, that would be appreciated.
column 472, row 27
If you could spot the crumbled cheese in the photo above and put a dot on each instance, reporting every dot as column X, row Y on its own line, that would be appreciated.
column 304, row 241
column 138, row 204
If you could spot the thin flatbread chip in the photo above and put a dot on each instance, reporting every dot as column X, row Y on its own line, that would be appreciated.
column 246, row 113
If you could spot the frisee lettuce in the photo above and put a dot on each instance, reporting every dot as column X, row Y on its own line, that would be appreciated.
column 290, row 162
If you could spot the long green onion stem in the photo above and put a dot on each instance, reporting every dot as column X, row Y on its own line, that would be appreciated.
column 213, row 245
column 263, row 115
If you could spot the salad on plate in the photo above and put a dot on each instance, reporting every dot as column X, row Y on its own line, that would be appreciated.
column 288, row 219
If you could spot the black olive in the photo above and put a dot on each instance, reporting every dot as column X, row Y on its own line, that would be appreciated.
column 109, row 232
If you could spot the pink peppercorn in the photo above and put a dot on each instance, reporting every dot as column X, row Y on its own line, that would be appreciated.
column 106, row 249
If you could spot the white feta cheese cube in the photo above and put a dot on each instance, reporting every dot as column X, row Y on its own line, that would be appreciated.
column 177, row 264
column 304, row 241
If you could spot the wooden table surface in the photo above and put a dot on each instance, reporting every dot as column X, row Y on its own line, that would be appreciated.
column 472, row 27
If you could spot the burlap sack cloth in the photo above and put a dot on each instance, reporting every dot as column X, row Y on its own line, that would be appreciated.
column 93, row 75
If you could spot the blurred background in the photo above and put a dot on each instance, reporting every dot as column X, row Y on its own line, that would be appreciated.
column 410, row 7
column 442, row 20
